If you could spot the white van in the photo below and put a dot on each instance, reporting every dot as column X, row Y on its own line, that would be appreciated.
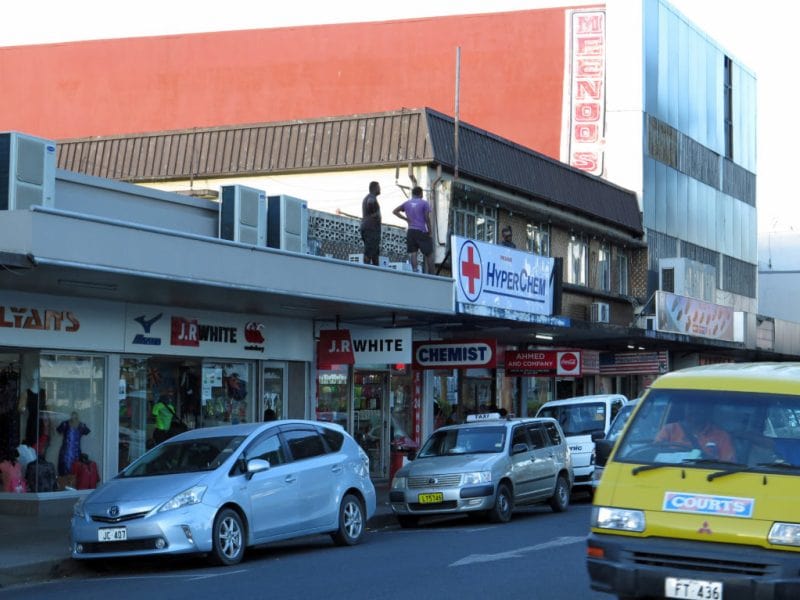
column 579, row 417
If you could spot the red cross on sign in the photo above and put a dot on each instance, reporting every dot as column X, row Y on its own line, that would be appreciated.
column 471, row 270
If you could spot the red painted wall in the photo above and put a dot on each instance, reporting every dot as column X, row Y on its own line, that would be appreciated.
column 511, row 77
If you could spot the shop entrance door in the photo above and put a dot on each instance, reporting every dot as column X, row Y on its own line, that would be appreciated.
column 371, row 418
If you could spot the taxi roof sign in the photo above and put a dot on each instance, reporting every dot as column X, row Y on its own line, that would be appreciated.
column 483, row 417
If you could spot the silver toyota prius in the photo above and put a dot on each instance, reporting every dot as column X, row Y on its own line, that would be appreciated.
column 219, row 490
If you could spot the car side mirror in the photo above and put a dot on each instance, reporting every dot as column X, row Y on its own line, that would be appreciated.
column 256, row 465
column 598, row 435
column 411, row 454
column 519, row 448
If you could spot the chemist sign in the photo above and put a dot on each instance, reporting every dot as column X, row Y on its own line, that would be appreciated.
column 364, row 346
column 495, row 276
column 455, row 354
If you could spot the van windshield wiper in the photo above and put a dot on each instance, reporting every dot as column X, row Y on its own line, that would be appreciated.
column 776, row 464
column 686, row 461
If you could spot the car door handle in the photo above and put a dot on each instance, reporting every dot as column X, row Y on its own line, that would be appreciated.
column 336, row 468
column 290, row 479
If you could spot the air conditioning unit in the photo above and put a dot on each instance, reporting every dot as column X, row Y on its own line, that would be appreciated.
column 243, row 215
column 287, row 224
column 601, row 312
column 27, row 171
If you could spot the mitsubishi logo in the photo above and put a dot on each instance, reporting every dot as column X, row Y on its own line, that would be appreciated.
column 470, row 265
column 704, row 528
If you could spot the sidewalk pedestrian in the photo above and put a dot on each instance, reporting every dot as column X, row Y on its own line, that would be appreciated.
column 417, row 212
column 371, row 224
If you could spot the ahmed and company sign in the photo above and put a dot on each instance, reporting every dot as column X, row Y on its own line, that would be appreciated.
column 497, row 277
column 561, row 362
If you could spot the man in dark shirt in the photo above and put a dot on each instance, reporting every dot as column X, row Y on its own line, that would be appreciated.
column 507, row 237
column 371, row 224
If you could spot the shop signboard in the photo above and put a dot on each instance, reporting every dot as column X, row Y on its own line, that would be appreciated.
column 565, row 363
column 455, row 354
column 186, row 332
column 501, row 278
column 45, row 321
column 364, row 346
column 689, row 316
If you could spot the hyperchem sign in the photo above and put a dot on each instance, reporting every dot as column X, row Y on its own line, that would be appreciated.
column 498, row 277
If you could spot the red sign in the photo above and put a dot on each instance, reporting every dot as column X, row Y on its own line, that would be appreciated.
column 334, row 348
column 543, row 361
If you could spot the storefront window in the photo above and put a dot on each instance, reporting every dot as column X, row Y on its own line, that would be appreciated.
column 162, row 396
column 403, row 423
column 272, row 401
column 64, row 420
column 333, row 395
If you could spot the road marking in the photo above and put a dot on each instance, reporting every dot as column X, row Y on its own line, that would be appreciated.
column 189, row 576
column 519, row 552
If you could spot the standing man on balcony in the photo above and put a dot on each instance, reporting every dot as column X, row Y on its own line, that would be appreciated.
column 371, row 224
column 417, row 212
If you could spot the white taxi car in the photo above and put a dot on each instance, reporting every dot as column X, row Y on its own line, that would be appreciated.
column 486, row 466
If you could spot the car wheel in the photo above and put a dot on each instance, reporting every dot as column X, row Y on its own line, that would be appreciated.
column 352, row 522
column 503, row 505
column 408, row 521
column 560, row 499
column 227, row 538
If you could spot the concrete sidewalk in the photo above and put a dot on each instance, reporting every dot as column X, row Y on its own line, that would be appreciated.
column 36, row 548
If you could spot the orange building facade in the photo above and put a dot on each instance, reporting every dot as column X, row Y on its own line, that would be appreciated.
column 511, row 77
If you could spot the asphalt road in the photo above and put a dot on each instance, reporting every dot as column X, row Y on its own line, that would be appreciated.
column 539, row 554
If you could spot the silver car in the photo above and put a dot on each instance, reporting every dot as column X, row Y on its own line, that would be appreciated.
column 221, row 489
column 486, row 466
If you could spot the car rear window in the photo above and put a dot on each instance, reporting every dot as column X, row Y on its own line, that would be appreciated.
column 304, row 443
column 334, row 439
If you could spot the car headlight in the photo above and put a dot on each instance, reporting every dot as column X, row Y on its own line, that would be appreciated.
column 784, row 534
column 399, row 483
column 78, row 510
column 188, row 497
column 477, row 477
column 604, row 517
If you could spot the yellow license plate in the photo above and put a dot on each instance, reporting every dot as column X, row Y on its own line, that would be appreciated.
column 431, row 498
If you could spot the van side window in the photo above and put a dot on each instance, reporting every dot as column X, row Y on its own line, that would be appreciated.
column 520, row 436
column 538, row 437
column 552, row 432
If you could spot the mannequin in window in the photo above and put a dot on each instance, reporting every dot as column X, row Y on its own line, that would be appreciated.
column 11, row 473
column 72, row 430
column 85, row 471
column 41, row 475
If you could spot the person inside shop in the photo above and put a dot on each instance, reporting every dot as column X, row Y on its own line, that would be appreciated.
column 85, row 472
column 41, row 475
column 697, row 430
column 11, row 472
column 164, row 412
column 72, row 430
column 507, row 240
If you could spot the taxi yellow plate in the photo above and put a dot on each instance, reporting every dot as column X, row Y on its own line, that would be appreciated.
column 431, row 498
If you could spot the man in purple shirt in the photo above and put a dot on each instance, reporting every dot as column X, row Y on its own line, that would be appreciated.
column 417, row 212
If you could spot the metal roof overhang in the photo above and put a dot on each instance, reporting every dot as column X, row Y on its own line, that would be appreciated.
column 57, row 252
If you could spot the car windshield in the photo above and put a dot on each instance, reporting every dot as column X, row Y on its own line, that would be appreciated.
column 619, row 422
column 185, row 456
column 466, row 440
column 731, row 431
column 577, row 419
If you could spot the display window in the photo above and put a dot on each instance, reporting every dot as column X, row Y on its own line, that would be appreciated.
column 333, row 395
column 160, row 397
column 51, row 421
